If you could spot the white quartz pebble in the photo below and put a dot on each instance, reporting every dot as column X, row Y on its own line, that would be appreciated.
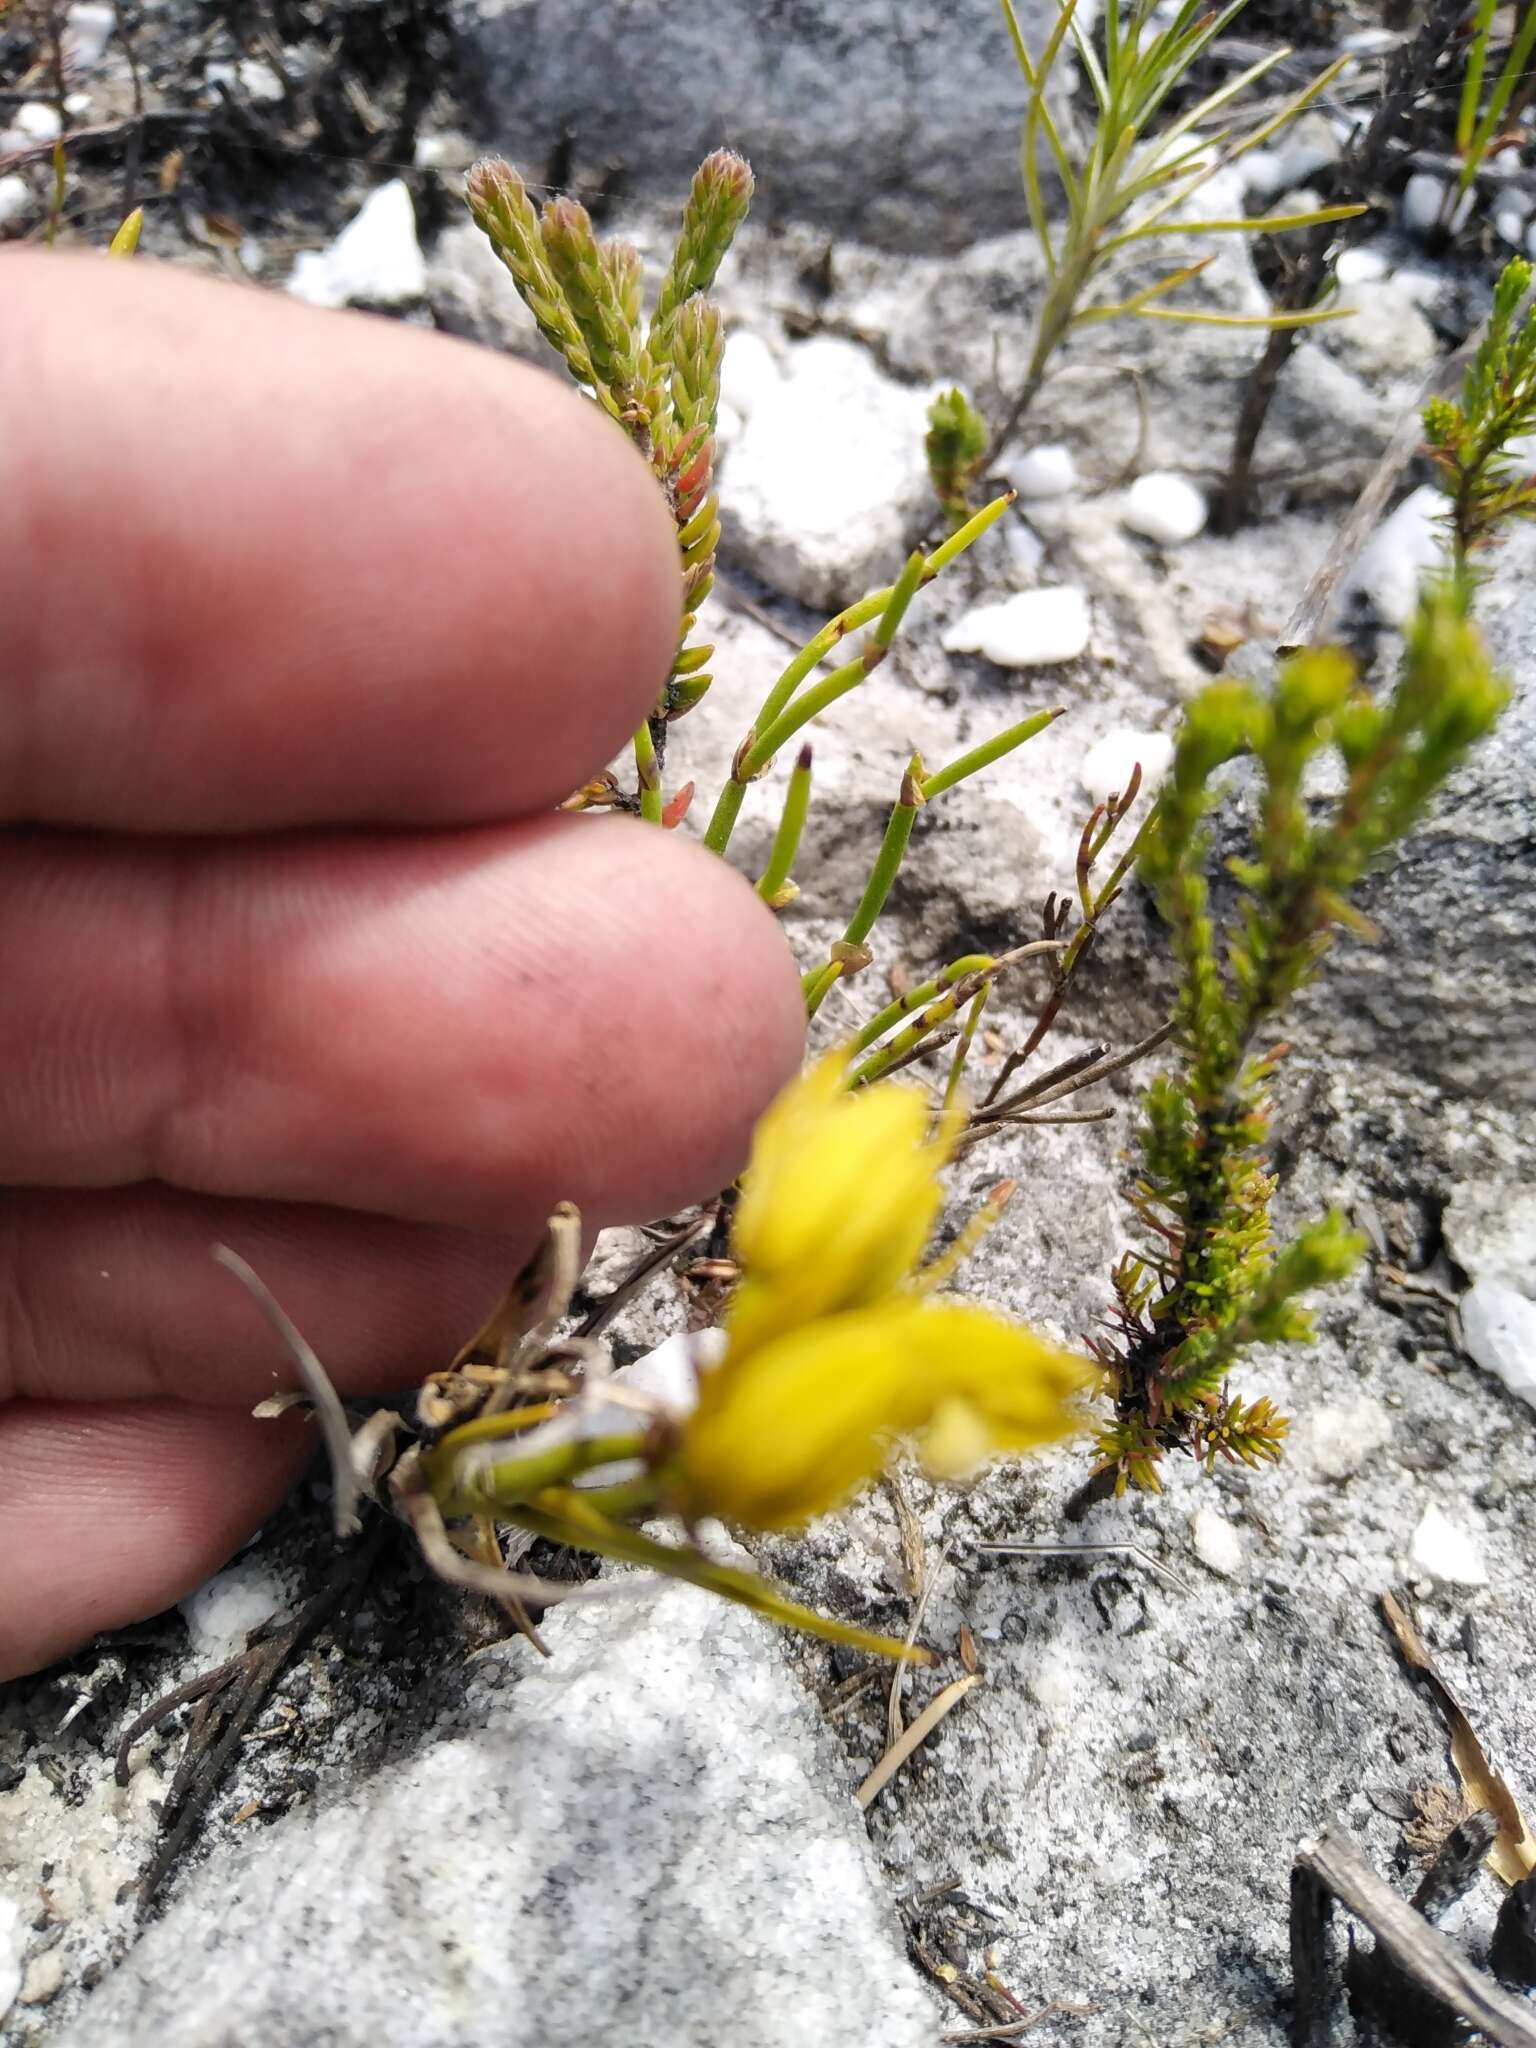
column 1498, row 1326
column 1107, row 766
column 1032, row 630
column 1362, row 266
column 1216, row 1543
column 748, row 371
column 34, row 121
column 1426, row 206
column 1406, row 545
column 1045, row 472
column 375, row 260
column 1344, row 1434
column 1165, row 508
column 88, row 26
column 1443, row 1550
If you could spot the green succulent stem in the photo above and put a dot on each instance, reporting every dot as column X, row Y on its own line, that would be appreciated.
column 902, row 1007
column 568, row 1519
column 917, row 790
column 783, row 713
column 786, row 839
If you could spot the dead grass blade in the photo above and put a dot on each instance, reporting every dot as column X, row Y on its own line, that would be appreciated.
column 334, row 1427
column 1513, row 1855
column 912, row 1739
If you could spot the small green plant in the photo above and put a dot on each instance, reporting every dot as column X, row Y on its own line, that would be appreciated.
column 1128, row 187
column 1470, row 441
column 659, row 381
column 1209, row 1279
column 1477, row 120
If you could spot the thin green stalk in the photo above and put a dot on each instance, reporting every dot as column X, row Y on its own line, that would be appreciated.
column 893, row 847
column 1515, row 65
column 943, row 996
column 818, row 982
column 56, row 197
column 807, row 706
column 466, row 1480
column 1265, row 224
column 988, row 752
column 566, row 1520
column 914, row 999
column 963, row 1045
column 917, row 790
column 727, row 809
column 1472, row 84
column 782, row 714
column 786, row 840
column 900, row 1047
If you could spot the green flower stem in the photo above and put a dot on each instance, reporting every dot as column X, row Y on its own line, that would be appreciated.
column 898, row 1049
column 903, row 590
column 567, row 1519
column 723, row 821
column 988, row 752
column 786, row 840
column 648, row 769
column 808, row 706
column 775, row 724
column 1516, row 66
column 1265, row 224
column 945, row 995
column 467, row 1480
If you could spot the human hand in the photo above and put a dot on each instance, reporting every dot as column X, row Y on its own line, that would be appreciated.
column 308, row 622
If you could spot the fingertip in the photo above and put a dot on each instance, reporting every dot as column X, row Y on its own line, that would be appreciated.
column 732, row 1021
column 111, row 1512
column 370, row 574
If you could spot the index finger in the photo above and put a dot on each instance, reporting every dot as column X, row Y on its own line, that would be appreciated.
column 262, row 566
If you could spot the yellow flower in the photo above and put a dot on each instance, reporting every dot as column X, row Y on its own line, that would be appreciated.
column 838, row 1200
column 792, row 1429
column 831, row 1351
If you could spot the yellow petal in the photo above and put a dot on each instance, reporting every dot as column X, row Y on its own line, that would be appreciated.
column 837, row 1202
column 792, row 1429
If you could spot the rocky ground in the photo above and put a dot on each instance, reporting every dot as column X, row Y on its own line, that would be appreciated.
column 430, row 1836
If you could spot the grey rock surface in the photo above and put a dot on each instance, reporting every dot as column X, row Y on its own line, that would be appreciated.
column 827, row 483
column 645, row 1838
column 898, row 124
column 1449, row 991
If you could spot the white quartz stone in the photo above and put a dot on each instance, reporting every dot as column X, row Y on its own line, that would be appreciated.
column 1498, row 1325
column 375, row 260
column 749, row 372
column 1049, row 471
column 1107, row 766
column 1165, row 508
column 1445, row 1551
column 1426, row 207
column 1216, row 1543
column 1032, row 630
